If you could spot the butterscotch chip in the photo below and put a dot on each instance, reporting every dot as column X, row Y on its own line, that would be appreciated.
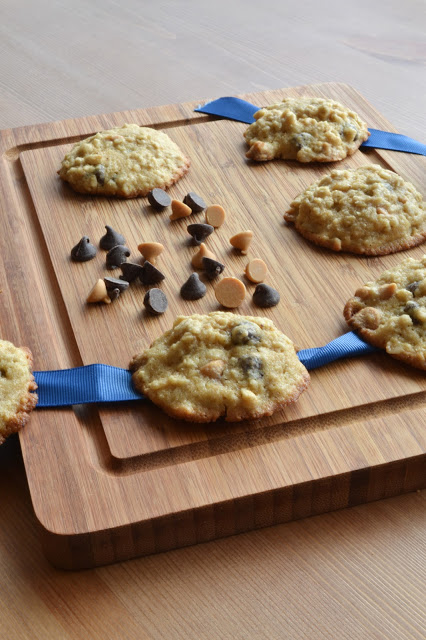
column 256, row 270
column 220, row 364
column 230, row 292
column 305, row 129
column 215, row 215
column 126, row 162
column 203, row 252
column 213, row 369
column 99, row 293
column 242, row 241
column 150, row 250
column 17, row 384
column 390, row 312
column 369, row 210
column 179, row 210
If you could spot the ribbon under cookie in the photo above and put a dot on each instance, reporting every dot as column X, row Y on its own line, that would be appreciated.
column 103, row 383
column 243, row 111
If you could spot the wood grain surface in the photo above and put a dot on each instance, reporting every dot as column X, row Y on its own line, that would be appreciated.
column 354, row 573
column 190, row 483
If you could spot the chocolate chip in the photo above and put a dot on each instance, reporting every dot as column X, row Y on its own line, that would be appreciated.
column 212, row 268
column 100, row 174
column 116, row 256
column 159, row 199
column 193, row 288
column 111, row 239
column 413, row 286
column 349, row 133
column 411, row 309
column 252, row 366
column 115, row 283
column 410, row 306
column 199, row 232
column 195, row 202
column 245, row 333
column 265, row 296
column 83, row 251
column 155, row 301
column 300, row 140
column 150, row 274
column 131, row 271
column 113, row 294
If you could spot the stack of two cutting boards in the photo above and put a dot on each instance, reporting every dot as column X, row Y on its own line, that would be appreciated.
column 115, row 481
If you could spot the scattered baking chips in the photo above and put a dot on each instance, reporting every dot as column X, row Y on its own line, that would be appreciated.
column 179, row 210
column 256, row 270
column 203, row 252
column 150, row 250
column 230, row 292
column 242, row 240
column 215, row 215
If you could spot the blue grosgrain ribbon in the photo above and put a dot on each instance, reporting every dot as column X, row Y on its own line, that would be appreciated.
column 243, row 111
column 103, row 383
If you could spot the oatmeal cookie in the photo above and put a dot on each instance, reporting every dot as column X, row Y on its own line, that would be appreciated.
column 220, row 364
column 305, row 129
column 369, row 210
column 126, row 162
column 390, row 312
column 17, row 384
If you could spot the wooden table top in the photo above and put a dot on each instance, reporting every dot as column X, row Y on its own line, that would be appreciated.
column 357, row 573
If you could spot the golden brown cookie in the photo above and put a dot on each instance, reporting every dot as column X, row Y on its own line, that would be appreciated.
column 369, row 210
column 126, row 162
column 220, row 365
column 17, row 384
column 390, row 312
column 305, row 129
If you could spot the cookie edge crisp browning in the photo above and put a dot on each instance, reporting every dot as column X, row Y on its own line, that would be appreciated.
column 26, row 404
column 209, row 417
column 256, row 151
column 335, row 244
column 182, row 170
column 352, row 307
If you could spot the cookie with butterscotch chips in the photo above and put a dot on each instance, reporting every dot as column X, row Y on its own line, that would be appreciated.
column 369, row 210
column 390, row 312
column 306, row 130
column 220, row 365
column 17, row 386
column 125, row 162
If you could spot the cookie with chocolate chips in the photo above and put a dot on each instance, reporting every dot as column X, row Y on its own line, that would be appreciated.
column 17, row 385
column 306, row 130
column 220, row 365
column 125, row 162
column 390, row 312
column 369, row 210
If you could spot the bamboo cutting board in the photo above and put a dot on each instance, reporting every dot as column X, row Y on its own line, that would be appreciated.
column 112, row 482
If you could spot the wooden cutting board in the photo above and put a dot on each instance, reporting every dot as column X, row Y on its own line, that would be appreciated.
column 112, row 482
